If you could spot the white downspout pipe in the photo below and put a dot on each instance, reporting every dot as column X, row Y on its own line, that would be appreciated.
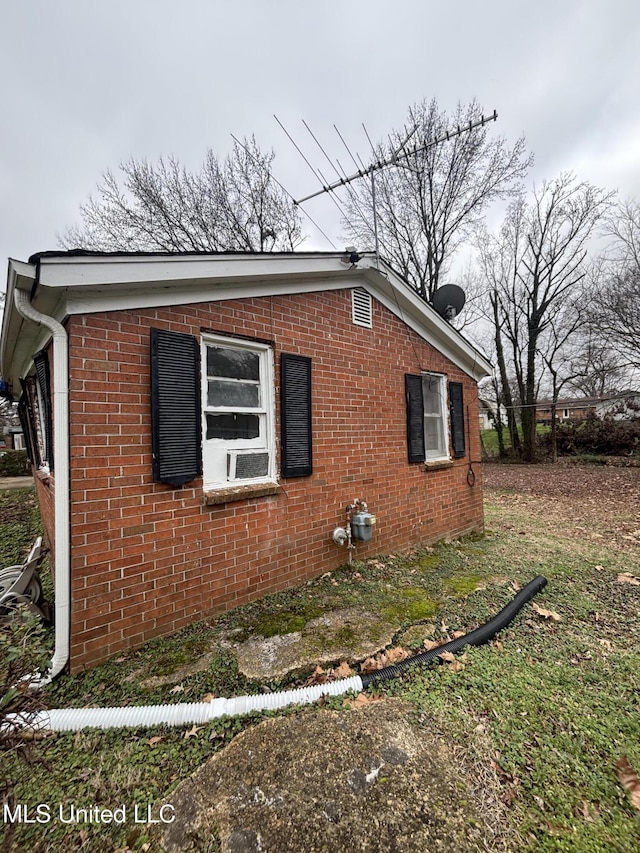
column 61, row 483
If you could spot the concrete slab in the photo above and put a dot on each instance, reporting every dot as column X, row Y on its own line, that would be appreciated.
column 16, row 482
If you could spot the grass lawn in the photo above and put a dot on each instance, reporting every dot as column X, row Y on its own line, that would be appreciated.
column 553, row 704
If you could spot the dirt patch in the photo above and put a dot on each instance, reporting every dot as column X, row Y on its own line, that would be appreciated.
column 349, row 633
column 370, row 779
column 597, row 503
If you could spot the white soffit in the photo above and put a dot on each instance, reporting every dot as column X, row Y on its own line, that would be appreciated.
column 89, row 284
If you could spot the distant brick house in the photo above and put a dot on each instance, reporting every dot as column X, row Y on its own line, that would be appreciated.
column 619, row 405
column 198, row 424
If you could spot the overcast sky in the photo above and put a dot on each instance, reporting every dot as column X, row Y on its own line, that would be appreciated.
column 85, row 85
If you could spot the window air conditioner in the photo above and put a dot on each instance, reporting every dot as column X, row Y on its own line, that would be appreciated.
column 247, row 464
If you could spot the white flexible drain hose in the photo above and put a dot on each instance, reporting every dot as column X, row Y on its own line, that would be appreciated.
column 74, row 719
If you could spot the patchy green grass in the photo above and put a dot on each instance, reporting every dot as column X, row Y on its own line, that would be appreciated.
column 557, row 702
column 19, row 524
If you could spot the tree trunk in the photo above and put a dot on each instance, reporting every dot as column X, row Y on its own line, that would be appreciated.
column 500, row 433
column 506, row 395
column 529, row 402
column 554, row 433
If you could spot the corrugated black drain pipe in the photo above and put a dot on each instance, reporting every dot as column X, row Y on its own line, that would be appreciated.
column 480, row 635
column 74, row 719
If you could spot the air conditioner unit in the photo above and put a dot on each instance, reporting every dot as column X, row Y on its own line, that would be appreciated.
column 247, row 464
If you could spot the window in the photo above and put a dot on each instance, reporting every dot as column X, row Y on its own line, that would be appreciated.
column 238, row 407
column 435, row 420
column 212, row 411
column 428, row 418
column 35, row 414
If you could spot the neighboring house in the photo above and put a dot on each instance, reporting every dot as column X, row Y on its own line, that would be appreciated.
column 221, row 413
column 484, row 415
column 619, row 406
column 14, row 438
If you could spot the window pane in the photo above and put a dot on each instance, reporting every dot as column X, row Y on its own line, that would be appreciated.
column 233, row 425
column 434, row 444
column 431, row 395
column 233, row 363
column 221, row 393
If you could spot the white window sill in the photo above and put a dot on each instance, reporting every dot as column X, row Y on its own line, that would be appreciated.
column 227, row 494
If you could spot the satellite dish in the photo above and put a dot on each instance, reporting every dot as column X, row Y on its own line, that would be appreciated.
column 448, row 301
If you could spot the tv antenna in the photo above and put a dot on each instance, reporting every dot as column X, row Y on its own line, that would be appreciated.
column 401, row 154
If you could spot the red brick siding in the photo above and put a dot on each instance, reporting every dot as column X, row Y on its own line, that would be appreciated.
column 148, row 559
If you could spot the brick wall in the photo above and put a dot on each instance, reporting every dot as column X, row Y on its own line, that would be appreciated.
column 148, row 559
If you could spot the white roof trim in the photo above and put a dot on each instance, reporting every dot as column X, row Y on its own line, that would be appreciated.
column 71, row 284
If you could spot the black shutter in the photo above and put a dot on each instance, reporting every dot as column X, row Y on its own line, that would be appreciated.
column 415, row 417
column 41, row 362
column 25, row 423
column 457, row 419
column 295, row 391
column 26, row 400
column 176, row 407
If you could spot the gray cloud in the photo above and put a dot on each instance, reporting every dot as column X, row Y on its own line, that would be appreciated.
column 84, row 86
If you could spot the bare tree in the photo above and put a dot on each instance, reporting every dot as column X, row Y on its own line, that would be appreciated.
column 428, row 204
column 499, row 257
column 233, row 204
column 616, row 296
column 544, row 247
column 593, row 365
column 618, row 312
column 564, row 322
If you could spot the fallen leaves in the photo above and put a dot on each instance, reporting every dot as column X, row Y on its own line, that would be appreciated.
column 384, row 658
column 154, row 740
column 343, row 671
column 361, row 700
column 179, row 688
column 321, row 676
column 589, row 812
column 510, row 792
column 627, row 577
column 628, row 778
column 193, row 732
column 546, row 614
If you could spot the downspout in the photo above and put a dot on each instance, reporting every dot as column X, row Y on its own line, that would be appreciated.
column 61, row 485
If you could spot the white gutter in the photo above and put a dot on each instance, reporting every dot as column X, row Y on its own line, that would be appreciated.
column 61, row 487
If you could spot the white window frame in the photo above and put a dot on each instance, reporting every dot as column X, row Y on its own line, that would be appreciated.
column 439, row 453
column 214, row 450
